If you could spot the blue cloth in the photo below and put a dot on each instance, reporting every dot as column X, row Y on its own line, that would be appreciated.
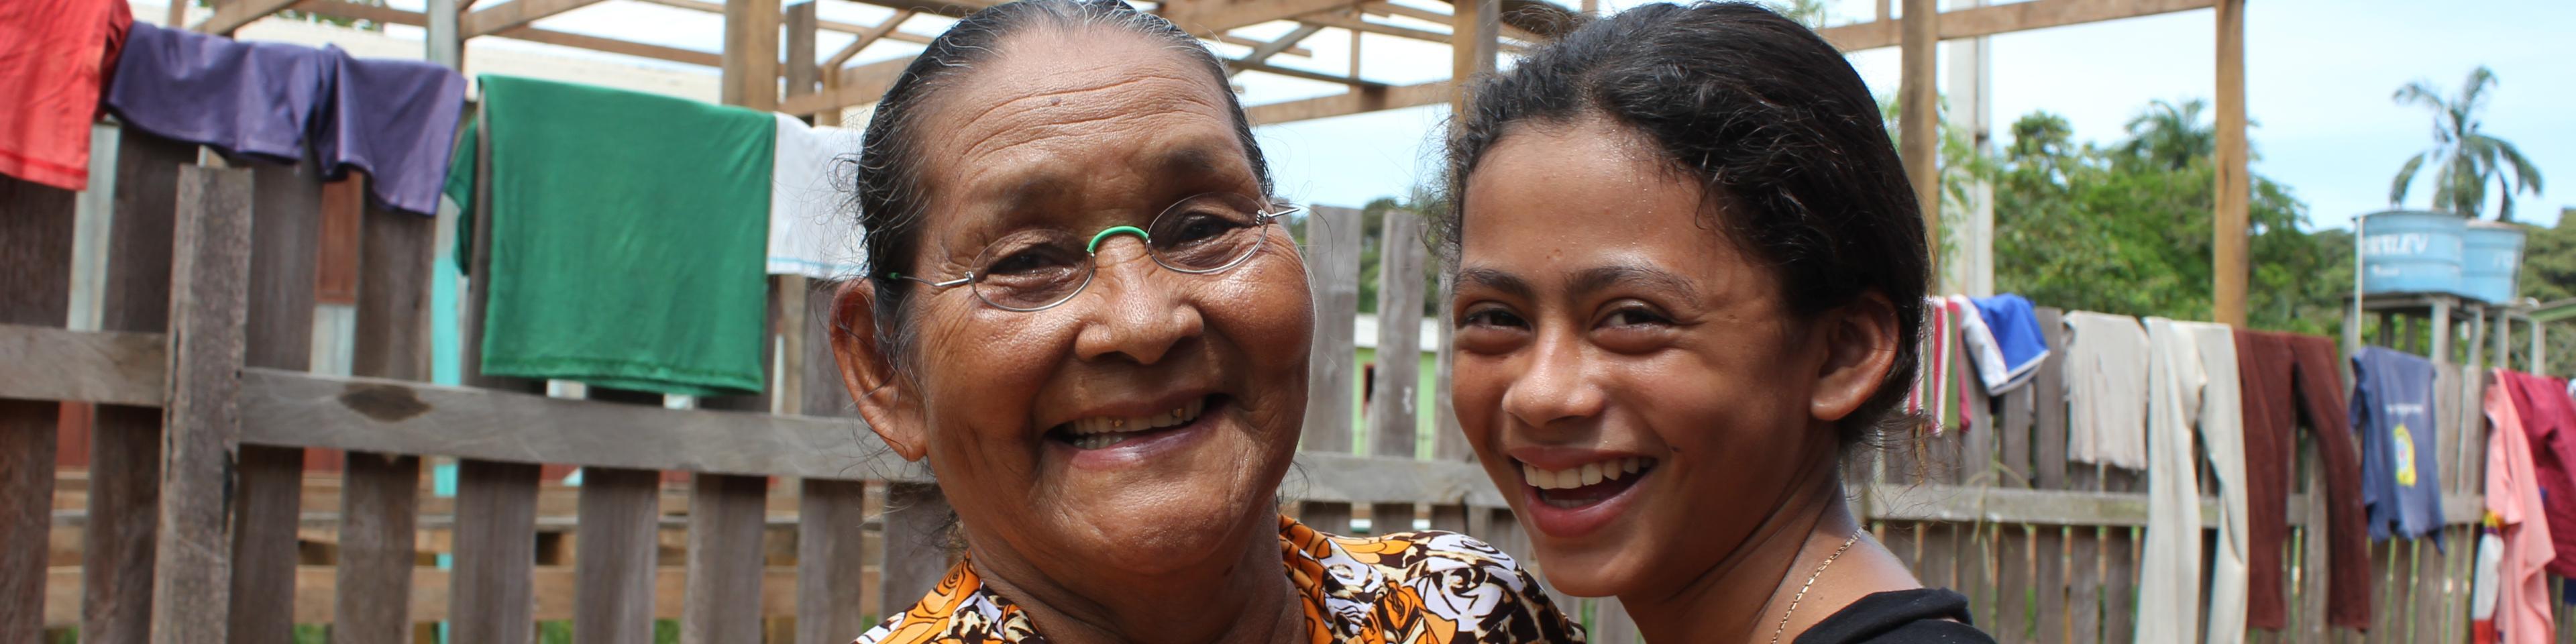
column 244, row 99
column 2392, row 408
column 2018, row 340
column 394, row 119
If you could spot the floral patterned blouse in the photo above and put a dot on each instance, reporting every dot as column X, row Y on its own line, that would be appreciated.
column 1404, row 588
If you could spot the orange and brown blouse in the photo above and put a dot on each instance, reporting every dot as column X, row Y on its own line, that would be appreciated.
column 1405, row 588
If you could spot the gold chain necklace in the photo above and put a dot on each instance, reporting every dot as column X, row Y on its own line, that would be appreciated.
column 1811, row 582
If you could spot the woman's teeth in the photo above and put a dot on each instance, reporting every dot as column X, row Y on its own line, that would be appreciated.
column 1589, row 474
column 1102, row 431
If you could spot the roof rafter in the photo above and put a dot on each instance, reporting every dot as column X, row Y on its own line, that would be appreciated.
column 2007, row 18
column 511, row 15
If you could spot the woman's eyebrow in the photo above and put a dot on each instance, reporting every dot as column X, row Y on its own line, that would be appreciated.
column 1604, row 277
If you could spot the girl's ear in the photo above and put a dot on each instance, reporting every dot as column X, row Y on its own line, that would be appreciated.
column 1861, row 342
column 885, row 399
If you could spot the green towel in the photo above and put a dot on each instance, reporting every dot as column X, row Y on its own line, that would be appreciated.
column 628, row 232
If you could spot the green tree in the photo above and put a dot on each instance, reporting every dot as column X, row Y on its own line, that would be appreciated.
column 2468, row 159
column 2125, row 228
column 2171, row 134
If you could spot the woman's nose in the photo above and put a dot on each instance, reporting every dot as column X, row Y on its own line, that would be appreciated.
column 1133, row 315
column 1556, row 389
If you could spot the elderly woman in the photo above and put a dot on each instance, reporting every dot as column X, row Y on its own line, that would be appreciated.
column 1085, row 314
column 1689, row 278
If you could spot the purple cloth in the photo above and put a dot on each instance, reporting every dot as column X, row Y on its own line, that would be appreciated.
column 241, row 98
column 394, row 119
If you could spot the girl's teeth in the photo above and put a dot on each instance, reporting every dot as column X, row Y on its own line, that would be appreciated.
column 1588, row 474
column 1102, row 431
column 1591, row 473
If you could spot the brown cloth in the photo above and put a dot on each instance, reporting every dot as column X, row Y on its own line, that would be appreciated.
column 2288, row 378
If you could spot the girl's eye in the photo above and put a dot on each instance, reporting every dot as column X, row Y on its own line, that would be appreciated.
column 1491, row 316
column 1632, row 316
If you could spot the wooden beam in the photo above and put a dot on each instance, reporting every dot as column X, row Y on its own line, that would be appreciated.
column 367, row 12
column 2228, row 224
column 53, row 363
column 1261, row 53
column 1355, row 23
column 517, row 13
column 883, row 29
column 230, row 15
column 1256, row 43
column 859, row 85
column 1918, row 123
column 1249, row 66
column 2007, row 18
column 614, row 46
column 556, row 591
column 1358, row 100
column 803, row 75
column 1507, row 29
column 1219, row 16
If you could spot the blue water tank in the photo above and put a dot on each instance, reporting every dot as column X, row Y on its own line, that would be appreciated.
column 2491, row 256
column 2411, row 252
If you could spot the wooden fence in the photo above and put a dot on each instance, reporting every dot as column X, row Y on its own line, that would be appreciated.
column 196, row 520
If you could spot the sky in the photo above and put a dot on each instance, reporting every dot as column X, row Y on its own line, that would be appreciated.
column 2319, row 78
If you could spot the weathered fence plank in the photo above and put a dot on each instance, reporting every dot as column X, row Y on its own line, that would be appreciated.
column 381, row 503
column 916, row 549
column 491, row 595
column 614, row 566
column 35, row 288
column 125, row 441
column 831, row 564
column 1333, row 239
column 209, row 281
column 1398, row 370
column 726, row 514
column 286, row 211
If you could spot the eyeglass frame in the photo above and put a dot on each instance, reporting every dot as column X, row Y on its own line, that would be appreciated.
column 1091, row 252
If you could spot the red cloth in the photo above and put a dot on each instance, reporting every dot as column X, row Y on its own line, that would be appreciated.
column 2549, row 419
column 57, row 57
column 2287, row 379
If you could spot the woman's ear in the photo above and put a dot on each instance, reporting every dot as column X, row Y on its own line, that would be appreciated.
column 886, row 400
column 1861, row 341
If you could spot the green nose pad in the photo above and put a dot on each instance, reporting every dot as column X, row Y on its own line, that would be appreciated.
column 1112, row 232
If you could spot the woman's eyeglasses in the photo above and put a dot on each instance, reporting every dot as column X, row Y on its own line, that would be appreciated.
column 1033, row 270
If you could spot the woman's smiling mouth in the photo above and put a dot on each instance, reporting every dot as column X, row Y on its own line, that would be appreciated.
column 1097, row 432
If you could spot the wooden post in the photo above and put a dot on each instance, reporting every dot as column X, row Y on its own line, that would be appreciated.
column 491, row 591
column 801, row 71
column 209, row 283
column 2227, row 294
column 915, row 554
column 268, row 480
column 379, row 505
column 1478, row 25
column 1333, row 239
column 1918, row 121
column 751, row 54
column 35, row 289
column 831, row 562
column 125, row 442
column 616, row 531
column 1392, row 409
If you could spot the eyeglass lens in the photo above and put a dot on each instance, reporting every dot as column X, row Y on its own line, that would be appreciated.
column 1036, row 269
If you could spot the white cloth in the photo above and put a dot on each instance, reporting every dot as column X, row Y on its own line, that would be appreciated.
column 2222, row 437
column 2106, row 390
column 807, row 235
column 2169, row 564
column 2482, row 585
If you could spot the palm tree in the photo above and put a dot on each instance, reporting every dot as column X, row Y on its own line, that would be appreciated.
column 2469, row 159
column 2171, row 135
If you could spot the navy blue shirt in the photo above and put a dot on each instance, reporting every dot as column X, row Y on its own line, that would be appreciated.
column 2392, row 409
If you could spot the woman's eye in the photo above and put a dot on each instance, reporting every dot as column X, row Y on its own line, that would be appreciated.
column 1025, row 261
column 1201, row 227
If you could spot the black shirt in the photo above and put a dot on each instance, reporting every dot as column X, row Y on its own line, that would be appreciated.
column 1899, row 617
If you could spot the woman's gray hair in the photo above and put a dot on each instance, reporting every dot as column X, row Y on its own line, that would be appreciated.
column 886, row 189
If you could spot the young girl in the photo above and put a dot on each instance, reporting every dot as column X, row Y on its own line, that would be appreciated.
column 1689, row 277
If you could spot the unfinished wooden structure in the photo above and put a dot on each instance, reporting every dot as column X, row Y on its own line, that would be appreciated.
column 193, row 517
